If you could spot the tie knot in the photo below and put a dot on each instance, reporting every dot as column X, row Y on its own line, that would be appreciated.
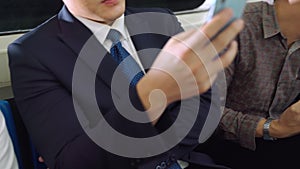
column 114, row 36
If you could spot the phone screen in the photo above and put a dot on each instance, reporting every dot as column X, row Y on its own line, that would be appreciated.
column 237, row 7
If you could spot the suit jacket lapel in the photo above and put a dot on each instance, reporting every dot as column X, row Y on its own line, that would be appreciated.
column 138, row 29
column 71, row 27
column 86, row 46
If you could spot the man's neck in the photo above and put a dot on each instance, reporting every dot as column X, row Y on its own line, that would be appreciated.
column 288, row 17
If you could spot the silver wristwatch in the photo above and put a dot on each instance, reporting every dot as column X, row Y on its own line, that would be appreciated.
column 266, row 133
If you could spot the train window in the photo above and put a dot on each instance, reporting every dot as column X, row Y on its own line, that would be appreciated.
column 17, row 16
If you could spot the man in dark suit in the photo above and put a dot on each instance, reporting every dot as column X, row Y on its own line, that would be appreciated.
column 56, row 100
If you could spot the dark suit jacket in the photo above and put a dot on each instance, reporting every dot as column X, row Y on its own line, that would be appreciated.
column 42, row 64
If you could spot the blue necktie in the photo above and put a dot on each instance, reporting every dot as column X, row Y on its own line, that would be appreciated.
column 130, row 66
column 119, row 53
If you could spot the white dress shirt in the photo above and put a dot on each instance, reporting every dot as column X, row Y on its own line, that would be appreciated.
column 101, row 31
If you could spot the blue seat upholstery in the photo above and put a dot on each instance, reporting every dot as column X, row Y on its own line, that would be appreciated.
column 10, row 124
column 26, row 154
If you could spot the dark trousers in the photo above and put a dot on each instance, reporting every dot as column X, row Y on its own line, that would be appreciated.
column 279, row 154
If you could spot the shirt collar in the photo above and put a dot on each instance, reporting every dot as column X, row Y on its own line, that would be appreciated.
column 101, row 30
column 270, row 23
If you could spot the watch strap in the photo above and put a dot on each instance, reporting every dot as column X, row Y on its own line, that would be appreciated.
column 266, row 129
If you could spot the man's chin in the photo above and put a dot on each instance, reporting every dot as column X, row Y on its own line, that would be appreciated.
column 294, row 1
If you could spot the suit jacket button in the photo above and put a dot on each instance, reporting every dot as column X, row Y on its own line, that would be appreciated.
column 163, row 165
column 168, row 163
column 172, row 158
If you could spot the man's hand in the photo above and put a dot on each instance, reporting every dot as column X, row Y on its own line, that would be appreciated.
column 288, row 123
column 41, row 160
column 187, row 65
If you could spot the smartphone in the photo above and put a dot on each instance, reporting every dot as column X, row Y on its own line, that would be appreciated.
column 237, row 7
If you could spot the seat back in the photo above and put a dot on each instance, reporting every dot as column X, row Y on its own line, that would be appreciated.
column 26, row 154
